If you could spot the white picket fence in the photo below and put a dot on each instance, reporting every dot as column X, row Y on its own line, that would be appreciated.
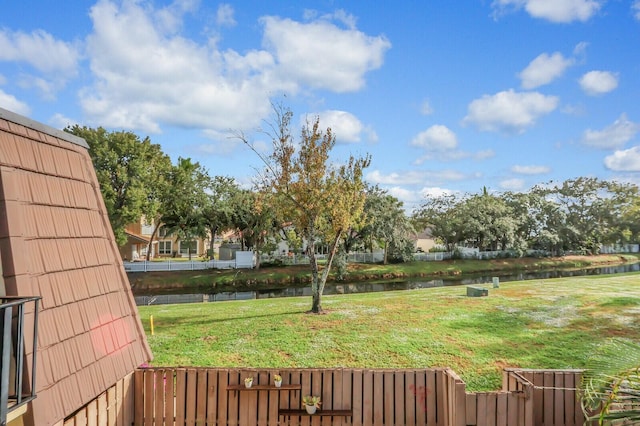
column 191, row 265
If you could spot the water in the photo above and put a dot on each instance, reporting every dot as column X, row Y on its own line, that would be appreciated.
column 368, row 287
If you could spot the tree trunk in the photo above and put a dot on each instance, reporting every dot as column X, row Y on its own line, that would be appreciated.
column 386, row 249
column 213, row 239
column 316, row 304
column 153, row 235
column 316, row 296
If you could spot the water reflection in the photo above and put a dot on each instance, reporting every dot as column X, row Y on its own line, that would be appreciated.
column 368, row 287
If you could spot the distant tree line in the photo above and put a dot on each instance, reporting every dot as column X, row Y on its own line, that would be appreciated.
column 578, row 215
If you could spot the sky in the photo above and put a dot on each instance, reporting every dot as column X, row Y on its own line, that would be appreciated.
column 445, row 96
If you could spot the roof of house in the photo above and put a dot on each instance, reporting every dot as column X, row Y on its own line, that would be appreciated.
column 136, row 238
column 57, row 243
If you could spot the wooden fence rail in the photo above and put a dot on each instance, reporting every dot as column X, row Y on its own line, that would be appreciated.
column 217, row 396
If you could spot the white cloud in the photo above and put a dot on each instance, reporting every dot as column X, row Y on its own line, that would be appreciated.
column 426, row 108
column 530, row 170
column 635, row 8
column 12, row 104
column 558, row 11
column 512, row 184
column 418, row 177
column 321, row 55
column 224, row 15
column 509, row 111
column 436, row 138
column 345, row 126
column 614, row 136
column 544, row 69
column 188, row 84
column 60, row 121
column 408, row 178
column 435, row 192
column 40, row 50
column 624, row 161
column 598, row 82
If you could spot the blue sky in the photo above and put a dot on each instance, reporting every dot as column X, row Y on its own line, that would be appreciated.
column 446, row 96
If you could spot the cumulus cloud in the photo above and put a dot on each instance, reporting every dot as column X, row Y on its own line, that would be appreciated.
column 624, row 161
column 436, row 138
column 322, row 55
column 54, row 62
column 544, row 69
column 530, row 170
column 345, row 126
column 614, row 136
column 40, row 50
column 558, row 11
column 598, row 82
column 509, row 111
column 188, row 84
column 145, row 74
column 224, row 15
column 12, row 104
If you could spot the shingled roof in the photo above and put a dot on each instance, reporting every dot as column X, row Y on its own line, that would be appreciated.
column 56, row 242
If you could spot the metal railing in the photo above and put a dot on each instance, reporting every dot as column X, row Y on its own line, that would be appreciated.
column 14, row 391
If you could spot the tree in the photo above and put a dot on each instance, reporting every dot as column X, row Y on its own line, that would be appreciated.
column 489, row 221
column 444, row 216
column 129, row 171
column 218, row 209
column 183, row 207
column 256, row 219
column 386, row 222
column 319, row 200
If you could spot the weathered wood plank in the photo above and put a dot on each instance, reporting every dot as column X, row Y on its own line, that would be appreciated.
column 429, row 388
column 410, row 392
column 201, row 396
column 158, row 395
column 181, row 396
column 149, row 396
column 212, row 395
column 169, row 398
column 358, row 397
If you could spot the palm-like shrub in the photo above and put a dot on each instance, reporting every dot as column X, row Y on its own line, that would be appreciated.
column 611, row 384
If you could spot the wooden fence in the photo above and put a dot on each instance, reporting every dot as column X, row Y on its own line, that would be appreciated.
column 112, row 407
column 214, row 396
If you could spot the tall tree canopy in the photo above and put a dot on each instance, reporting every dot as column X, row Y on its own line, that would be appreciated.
column 183, row 209
column 128, row 171
column 320, row 200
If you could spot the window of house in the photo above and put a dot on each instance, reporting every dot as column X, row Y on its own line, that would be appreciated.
column 162, row 231
column 188, row 246
column 164, row 247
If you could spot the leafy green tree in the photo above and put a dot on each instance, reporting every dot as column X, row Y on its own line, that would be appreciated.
column 129, row 172
column 183, row 208
column 256, row 219
column 489, row 222
column 444, row 215
column 387, row 223
column 320, row 200
column 218, row 209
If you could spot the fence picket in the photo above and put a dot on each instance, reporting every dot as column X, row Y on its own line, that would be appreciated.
column 202, row 396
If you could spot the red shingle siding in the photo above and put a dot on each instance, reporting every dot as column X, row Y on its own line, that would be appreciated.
column 56, row 242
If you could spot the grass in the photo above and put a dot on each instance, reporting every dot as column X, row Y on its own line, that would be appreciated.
column 552, row 323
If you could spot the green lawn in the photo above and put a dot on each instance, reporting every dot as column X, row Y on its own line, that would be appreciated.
column 530, row 324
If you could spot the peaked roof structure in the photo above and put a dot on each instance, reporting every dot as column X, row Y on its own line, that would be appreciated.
column 56, row 242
